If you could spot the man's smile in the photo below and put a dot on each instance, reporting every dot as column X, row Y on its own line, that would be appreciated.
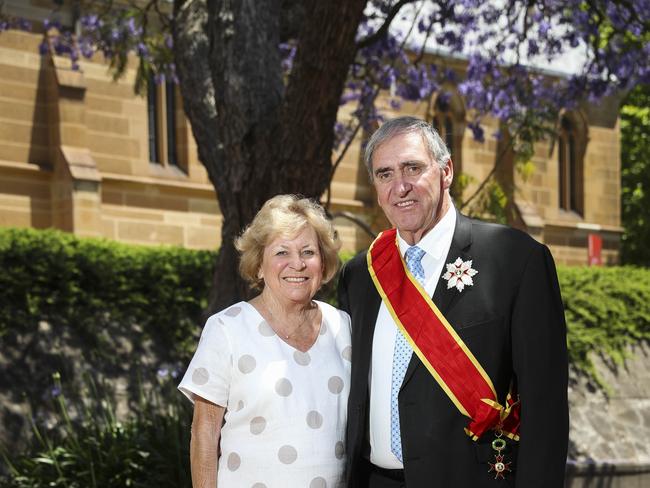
column 405, row 203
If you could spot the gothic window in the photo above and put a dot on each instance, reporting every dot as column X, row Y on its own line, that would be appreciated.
column 161, row 118
column 570, row 166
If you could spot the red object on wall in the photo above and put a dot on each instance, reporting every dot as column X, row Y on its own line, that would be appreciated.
column 595, row 247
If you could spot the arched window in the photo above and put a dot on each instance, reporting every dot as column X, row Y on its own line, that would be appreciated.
column 571, row 146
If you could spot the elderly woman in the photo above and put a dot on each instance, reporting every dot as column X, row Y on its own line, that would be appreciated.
column 270, row 377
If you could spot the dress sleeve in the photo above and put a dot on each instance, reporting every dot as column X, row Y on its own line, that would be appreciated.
column 210, row 370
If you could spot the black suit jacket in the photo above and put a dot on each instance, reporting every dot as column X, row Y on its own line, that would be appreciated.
column 512, row 320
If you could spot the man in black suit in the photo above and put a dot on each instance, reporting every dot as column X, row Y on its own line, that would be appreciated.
column 498, row 292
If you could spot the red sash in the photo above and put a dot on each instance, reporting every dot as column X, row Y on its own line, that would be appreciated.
column 437, row 344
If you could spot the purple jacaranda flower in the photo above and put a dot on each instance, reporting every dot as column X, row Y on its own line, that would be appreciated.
column 348, row 97
column 86, row 49
column 133, row 29
column 141, row 49
column 24, row 24
column 477, row 131
column 443, row 100
column 90, row 22
column 543, row 28
column 162, row 372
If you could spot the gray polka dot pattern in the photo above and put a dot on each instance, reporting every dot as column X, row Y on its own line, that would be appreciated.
column 246, row 363
column 283, row 387
column 314, row 419
column 200, row 376
column 234, row 461
column 339, row 450
column 265, row 329
column 258, row 424
column 287, row 454
column 335, row 385
column 318, row 483
column 302, row 358
column 247, row 369
column 233, row 311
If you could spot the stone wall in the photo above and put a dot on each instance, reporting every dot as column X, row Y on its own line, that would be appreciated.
column 610, row 430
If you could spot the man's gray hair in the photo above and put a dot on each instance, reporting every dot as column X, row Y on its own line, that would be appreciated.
column 402, row 125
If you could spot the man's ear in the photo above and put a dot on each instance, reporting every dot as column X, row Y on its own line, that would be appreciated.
column 448, row 174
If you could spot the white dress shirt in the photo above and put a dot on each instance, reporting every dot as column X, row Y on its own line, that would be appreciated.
column 436, row 245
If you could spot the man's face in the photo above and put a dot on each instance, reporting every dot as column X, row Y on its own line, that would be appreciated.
column 411, row 186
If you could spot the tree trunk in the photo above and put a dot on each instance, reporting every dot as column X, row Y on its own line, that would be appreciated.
column 255, row 137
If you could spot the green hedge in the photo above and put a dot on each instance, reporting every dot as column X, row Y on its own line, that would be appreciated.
column 91, row 284
column 606, row 310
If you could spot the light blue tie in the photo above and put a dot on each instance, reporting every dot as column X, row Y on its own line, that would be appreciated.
column 402, row 356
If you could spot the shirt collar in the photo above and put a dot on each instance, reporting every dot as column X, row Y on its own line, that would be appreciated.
column 435, row 242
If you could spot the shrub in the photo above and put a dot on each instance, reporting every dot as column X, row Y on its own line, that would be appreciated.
column 90, row 283
column 606, row 309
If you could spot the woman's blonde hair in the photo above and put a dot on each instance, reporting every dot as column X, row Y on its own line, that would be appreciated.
column 286, row 215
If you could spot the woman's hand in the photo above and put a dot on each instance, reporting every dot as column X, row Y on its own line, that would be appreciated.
column 204, row 446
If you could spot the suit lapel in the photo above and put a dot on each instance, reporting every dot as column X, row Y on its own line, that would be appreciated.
column 443, row 297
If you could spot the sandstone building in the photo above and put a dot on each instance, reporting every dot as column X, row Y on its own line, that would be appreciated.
column 82, row 153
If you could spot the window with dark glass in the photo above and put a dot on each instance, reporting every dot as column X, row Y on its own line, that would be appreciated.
column 161, row 121
column 152, row 121
column 170, row 119
column 570, row 167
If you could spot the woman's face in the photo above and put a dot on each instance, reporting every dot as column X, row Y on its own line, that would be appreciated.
column 292, row 268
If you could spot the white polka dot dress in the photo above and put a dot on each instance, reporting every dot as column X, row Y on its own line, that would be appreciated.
column 285, row 409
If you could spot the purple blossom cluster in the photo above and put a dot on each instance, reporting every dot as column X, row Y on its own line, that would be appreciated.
column 115, row 34
column 501, row 43
column 10, row 22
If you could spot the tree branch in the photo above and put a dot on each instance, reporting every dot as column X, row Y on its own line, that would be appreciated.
column 498, row 163
column 338, row 161
column 353, row 218
column 383, row 30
